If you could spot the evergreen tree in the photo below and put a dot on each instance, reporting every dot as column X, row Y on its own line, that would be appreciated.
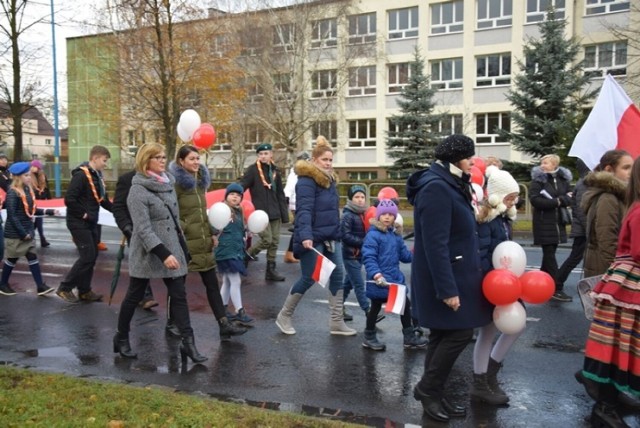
column 549, row 94
column 413, row 135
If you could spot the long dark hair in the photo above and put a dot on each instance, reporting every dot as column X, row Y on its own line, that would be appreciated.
column 184, row 152
column 611, row 158
column 633, row 189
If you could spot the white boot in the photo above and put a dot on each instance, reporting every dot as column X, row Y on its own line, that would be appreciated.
column 336, row 322
column 283, row 321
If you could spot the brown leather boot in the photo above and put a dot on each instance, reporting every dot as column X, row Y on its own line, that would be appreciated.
column 288, row 257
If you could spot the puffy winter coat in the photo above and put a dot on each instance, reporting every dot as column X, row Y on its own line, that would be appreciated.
column 492, row 231
column 268, row 199
column 446, row 262
column 19, row 224
column 80, row 198
column 353, row 233
column 604, row 206
column 317, row 207
column 154, row 237
column 382, row 251
column 194, row 221
column 547, row 193
column 231, row 241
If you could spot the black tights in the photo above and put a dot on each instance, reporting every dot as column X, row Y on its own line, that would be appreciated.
column 374, row 310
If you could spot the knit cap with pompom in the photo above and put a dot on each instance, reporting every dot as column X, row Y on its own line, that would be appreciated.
column 499, row 184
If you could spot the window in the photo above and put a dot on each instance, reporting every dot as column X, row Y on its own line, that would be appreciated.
column 494, row 13
column 219, row 45
column 606, row 6
column 284, row 36
column 362, row 133
column 398, row 175
column 131, row 137
column 396, row 129
column 225, row 175
column 254, row 137
column 251, row 42
column 606, row 58
column 537, row 9
column 328, row 128
column 446, row 73
column 324, row 33
column 487, row 125
column 447, row 17
column 362, row 80
column 493, row 70
column 450, row 124
column 403, row 23
column 47, row 141
column 223, row 142
column 362, row 28
column 254, row 91
column 282, row 86
column 398, row 76
column 362, row 175
column 323, row 84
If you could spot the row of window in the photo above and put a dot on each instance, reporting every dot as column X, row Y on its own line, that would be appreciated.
column 446, row 17
column 491, row 70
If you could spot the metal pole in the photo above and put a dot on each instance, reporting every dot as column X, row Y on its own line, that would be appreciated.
column 56, row 135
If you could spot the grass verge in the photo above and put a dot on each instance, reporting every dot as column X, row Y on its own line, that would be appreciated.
column 29, row 398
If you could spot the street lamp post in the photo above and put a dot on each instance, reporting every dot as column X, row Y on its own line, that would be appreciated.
column 56, row 130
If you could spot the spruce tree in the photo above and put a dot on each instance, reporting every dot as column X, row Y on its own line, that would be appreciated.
column 412, row 145
column 548, row 96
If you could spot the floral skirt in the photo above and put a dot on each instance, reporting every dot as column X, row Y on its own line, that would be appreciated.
column 612, row 351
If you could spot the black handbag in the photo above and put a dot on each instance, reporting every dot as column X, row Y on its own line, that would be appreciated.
column 181, row 239
column 565, row 216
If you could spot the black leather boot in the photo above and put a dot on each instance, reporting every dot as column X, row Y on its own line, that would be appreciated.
column 272, row 274
column 606, row 416
column 228, row 329
column 172, row 329
column 432, row 406
column 121, row 345
column 480, row 390
column 188, row 349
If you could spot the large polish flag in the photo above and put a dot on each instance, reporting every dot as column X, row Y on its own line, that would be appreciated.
column 614, row 123
column 323, row 269
column 397, row 299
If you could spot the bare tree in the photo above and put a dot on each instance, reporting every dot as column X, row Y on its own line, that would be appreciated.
column 630, row 32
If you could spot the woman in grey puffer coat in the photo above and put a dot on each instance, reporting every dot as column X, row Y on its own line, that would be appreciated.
column 155, row 249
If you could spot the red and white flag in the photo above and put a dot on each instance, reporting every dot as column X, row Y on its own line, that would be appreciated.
column 614, row 123
column 397, row 299
column 322, row 271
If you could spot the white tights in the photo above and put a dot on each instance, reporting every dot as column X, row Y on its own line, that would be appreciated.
column 231, row 288
column 483, row 348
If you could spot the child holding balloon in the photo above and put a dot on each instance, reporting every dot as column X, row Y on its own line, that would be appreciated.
column 230, row 256
column 495, row 217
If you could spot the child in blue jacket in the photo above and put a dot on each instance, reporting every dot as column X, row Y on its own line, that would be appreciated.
column 382, row 251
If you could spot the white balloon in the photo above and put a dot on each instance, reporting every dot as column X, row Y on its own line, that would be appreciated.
column 258, row 221
column 510, row 319
column 184, row 136
column 511, row 256
column 399, row 220
column 478, row 191
column 219, row 215
column 189, row 121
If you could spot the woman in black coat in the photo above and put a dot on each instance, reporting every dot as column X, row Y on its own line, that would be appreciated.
column 550, row 195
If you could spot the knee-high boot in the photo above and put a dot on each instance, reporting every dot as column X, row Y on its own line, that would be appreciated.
column 336, row 322
column 283, row 321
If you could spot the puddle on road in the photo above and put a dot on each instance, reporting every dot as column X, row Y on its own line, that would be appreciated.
column 561, row 347
column 63, row 352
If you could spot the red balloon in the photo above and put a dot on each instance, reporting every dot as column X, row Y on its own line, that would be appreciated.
column 476, row 175
column 247, row 209
column 501, row 287
column 479, row 163
column 387, row 193
column 537, row 286
column 205, row 136
column 368, row 215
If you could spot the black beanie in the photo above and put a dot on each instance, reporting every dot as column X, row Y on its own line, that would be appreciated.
column 454, row 148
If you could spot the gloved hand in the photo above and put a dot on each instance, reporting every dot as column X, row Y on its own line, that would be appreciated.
column 381, row 281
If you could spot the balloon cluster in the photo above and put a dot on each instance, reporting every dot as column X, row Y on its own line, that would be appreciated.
column 477, row 177
column 509, row 282
column 220, row 216
column 190, row 128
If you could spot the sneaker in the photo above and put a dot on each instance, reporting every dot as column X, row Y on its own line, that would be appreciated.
column 561, row 296
column 90, row 296
column 148, row 304
column 6, row 290
column 67, row 296
column 243, row 319
column 102, row 246
column 44, row 289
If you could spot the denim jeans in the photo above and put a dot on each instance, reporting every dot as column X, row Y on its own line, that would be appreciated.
column 308, row 264
column 353, row 280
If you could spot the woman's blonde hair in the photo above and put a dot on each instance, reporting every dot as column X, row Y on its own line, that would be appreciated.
column 322, row 146
column 553, row 158
column 144, row 155
column 17, row 182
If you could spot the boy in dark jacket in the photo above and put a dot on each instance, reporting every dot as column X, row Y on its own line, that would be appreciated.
column 85, row 195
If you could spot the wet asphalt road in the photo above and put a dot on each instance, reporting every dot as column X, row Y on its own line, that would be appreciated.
column 311, row 372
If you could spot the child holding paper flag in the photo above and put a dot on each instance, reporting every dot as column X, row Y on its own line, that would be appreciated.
column 382, row 251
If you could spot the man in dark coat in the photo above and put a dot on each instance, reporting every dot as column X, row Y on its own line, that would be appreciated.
column 5, row 176
column 85, row 195
column 264, row 180
column 125, row 224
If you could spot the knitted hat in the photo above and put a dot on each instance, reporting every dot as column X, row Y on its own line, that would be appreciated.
column 355, row 189
column 235, row 188
column 36, row 163
column 499, row 184
column 386, row 206
column 20, row 168
column 454, row 148
column 304, row 155
column 264, row 146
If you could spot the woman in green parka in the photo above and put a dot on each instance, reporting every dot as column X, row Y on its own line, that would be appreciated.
column 192, row 182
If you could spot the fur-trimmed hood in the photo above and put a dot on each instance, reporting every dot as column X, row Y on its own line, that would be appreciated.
column 305, row 168
column 187, row 181
column 397, row 229
column 537, row 174
column 602, row 182
column 488, row 212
